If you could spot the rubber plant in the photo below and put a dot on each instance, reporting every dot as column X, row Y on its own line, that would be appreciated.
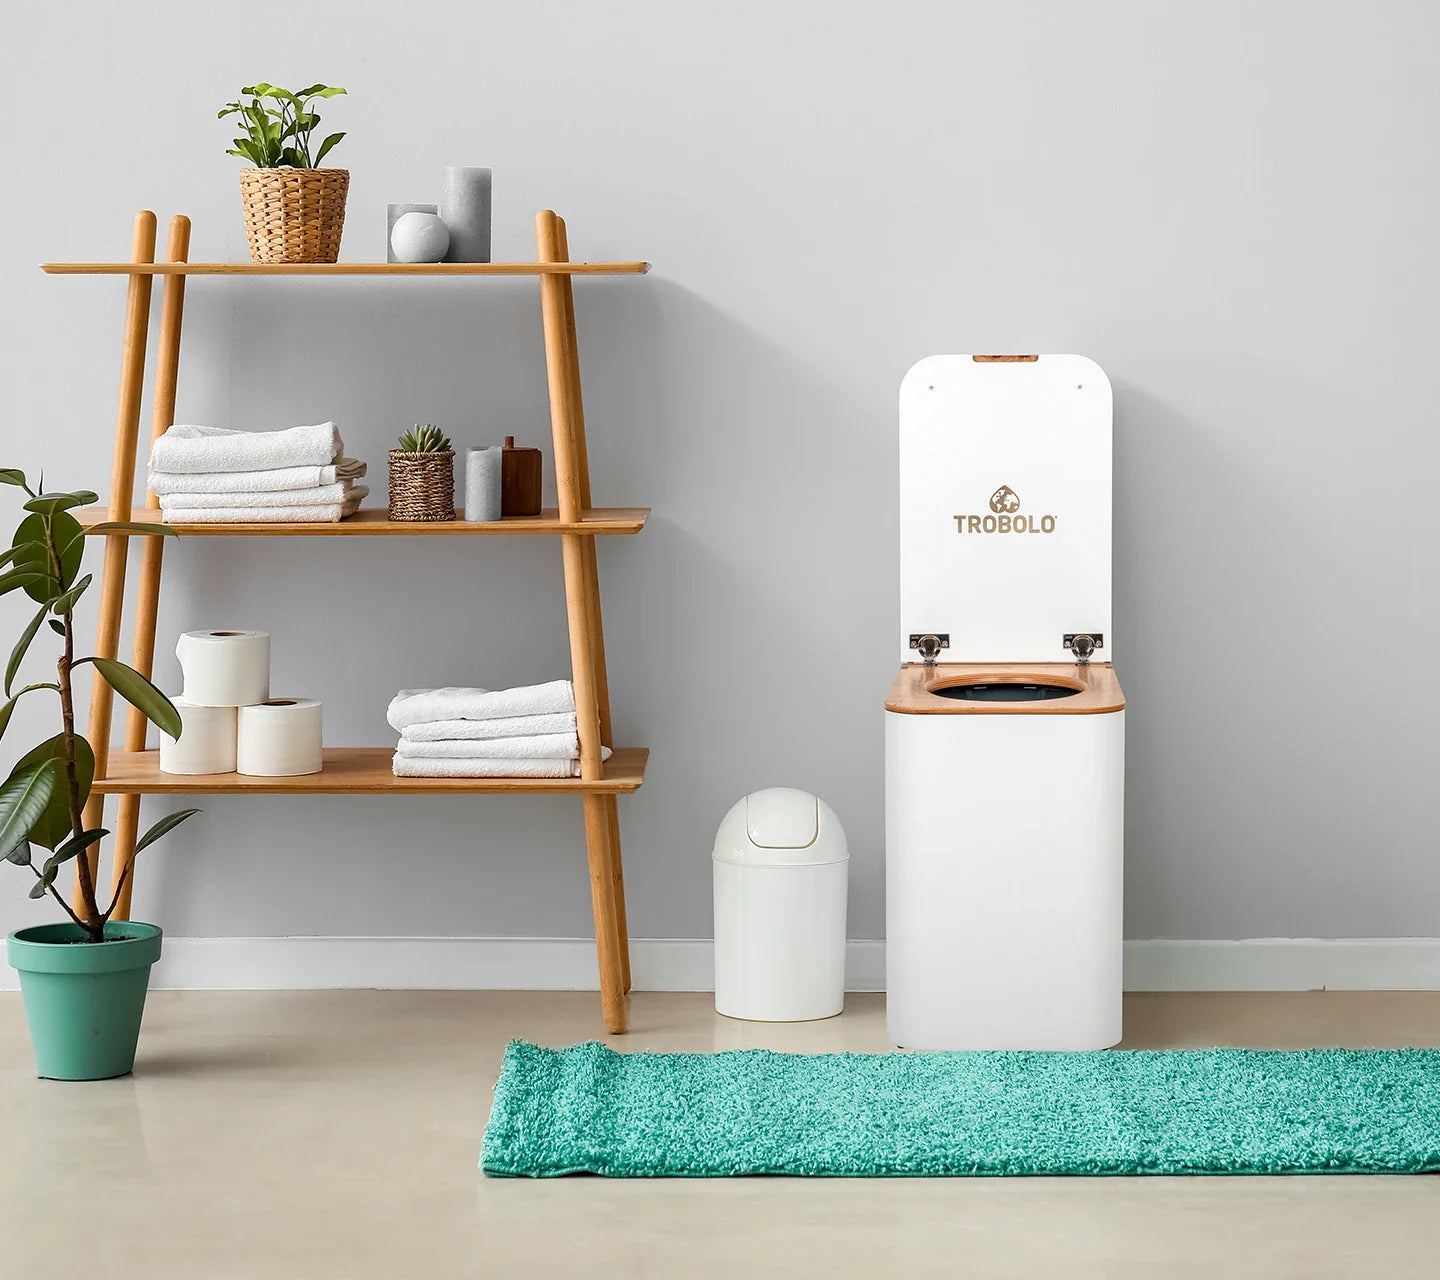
column 42, row 802
column 278, row 136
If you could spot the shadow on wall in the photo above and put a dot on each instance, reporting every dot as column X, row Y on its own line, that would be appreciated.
column 1247, row 703
column 735, row 623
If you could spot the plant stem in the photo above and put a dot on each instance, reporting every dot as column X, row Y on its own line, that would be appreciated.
column 61, row 900
column 94, row 922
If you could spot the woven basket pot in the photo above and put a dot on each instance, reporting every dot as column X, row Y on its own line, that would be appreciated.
column 422, row 485
column 294, row 215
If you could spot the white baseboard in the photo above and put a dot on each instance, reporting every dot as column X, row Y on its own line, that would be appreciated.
column 1283, row 964
column 684, row 964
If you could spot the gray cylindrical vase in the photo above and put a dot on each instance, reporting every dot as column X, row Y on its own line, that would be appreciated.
column 482, row 484
column 393, row 211
column 465, row 209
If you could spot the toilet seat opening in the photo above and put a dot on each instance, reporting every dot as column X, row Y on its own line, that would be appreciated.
column 1006, row 689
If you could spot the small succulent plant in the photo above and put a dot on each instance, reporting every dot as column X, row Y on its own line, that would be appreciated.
column 426, row 439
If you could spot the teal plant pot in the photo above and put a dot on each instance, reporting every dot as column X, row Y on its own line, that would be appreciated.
column 84, row 1001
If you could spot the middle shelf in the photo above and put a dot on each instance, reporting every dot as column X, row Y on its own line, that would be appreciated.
column 356, row 771
column 376, row 522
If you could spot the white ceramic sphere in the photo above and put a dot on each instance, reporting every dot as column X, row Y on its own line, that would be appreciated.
column 419, row 237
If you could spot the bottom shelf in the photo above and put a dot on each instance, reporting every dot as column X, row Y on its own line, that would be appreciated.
column 357, row 770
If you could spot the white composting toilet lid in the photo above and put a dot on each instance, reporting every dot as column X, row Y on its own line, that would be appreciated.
column 1005, row 496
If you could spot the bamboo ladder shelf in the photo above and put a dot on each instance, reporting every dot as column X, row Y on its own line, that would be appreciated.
column 134, row 771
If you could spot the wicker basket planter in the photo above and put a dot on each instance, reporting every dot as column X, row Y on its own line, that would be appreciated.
column 294, row 215
column 422, row 485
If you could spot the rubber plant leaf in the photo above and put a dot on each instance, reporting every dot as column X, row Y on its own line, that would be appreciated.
column 75, row 845
column 166, row 824
column 65, row 603
column 141, row 694
column 17, row 654
column 68, row 536
column 53, row 825
column 47, row 504
column 24, row 799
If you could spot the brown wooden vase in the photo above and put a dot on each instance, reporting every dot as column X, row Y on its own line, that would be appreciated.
column 519, row 480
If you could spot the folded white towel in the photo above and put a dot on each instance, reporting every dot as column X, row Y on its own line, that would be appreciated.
column 416, row 706
column 486, row 767
column 503, row 727
column 322, row 495
column 329, row 514
column 540, row 746
column 195, row 448
column 163, row 482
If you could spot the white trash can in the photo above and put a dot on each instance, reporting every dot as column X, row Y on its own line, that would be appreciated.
column 781, row 872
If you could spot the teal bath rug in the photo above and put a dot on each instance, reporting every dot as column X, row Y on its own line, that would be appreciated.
column 654, row 1115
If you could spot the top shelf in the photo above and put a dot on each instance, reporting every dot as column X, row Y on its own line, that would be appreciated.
column 345, row 268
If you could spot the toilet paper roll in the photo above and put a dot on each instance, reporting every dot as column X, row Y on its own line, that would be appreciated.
column 279, row 738
column 206, row 743
column 225, row 668
column 482, row 483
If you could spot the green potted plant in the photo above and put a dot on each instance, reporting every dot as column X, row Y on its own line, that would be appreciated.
column 422, row 475
column 84, row 979
column 294, row 210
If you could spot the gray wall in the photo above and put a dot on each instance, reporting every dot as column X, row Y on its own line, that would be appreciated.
column 1232, row 207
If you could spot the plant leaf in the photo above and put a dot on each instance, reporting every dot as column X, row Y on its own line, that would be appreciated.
column 26, row 578
column 20, row 854
column 9, row 554
column 54, row 824
column 140, row 693
column 324, row 91
column 57, row 626
column 7, row 709
column 49, row 503
column 12, row 475
column 326, row 145
column 17, row 654
column 129, row 526
column 63, row 528
column 74, row 845
column 166, row 824
column 64, row 604
column 39, row 889
column 24, row 799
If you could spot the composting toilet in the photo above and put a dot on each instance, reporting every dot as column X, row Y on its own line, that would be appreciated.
column 1005, row 728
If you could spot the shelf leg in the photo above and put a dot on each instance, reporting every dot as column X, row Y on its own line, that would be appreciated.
column 122, row 488
column 581, row 603
column 576, row 402
column 606, row 891
column 592, row 585
column 152, row 550
column 617, row 872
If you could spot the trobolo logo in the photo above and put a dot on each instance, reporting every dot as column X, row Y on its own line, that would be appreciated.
column 1005, row 517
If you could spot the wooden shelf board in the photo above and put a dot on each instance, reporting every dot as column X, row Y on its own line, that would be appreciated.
column 357, row 771
column 345, row 268
column 376, row 522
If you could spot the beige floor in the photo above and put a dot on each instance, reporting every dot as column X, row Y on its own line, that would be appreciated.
column 334, row 1134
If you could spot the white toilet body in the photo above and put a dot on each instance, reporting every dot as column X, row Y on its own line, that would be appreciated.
column 1005, row 820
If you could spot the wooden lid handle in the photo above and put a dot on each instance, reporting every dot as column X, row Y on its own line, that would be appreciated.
column 509, row 442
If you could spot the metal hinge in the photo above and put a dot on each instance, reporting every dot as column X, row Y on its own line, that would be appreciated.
column 929, row 644
column 1082, row 644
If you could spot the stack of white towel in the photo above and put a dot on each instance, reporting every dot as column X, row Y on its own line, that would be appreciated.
column 527, row 732
column 212, row 475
